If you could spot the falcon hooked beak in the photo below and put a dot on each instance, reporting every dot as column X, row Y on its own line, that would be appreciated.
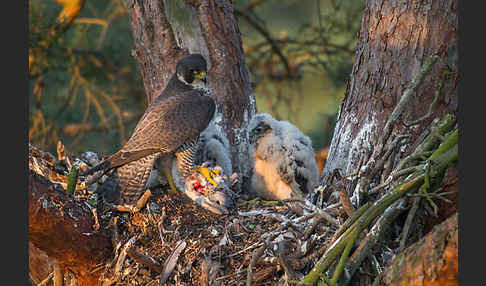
column 200, row 75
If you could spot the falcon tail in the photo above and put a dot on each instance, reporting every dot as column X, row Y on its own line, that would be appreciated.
column 120, row 158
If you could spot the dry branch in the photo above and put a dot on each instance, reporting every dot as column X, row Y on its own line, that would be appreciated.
column 443, row 156
column 62, row 227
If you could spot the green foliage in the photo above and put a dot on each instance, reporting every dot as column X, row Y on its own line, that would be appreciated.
column 85, row 88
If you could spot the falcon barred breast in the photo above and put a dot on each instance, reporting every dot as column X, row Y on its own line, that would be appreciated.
column 170, row 128
column 284, row 165
column 216, row 186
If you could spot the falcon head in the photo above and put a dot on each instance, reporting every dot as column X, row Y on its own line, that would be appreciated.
column 191, row 70
column 260, row 125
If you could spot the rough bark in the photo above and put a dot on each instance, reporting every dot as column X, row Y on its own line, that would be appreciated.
column 432, row 261
column 395, row 39
column 164, row 31
column 40, row 265
column 62, row 228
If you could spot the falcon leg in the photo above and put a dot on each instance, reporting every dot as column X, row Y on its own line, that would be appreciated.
column 168, row 175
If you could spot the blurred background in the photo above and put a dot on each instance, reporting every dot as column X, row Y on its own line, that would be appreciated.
column 85, row 88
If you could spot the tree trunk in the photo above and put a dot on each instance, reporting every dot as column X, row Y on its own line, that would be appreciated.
column 432, row 261
column 164, row 31
column 395, row 40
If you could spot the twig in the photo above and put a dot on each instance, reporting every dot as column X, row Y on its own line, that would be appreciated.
column 96, row 225
column 123, row 255
column 143, row 199
column 426, row 186
column 346, row 202
column 291, row 275
column 412, row 184
column 267, row 36
column 408, row 223
column 254, row 258
column 344, row 258
column 428, row 142
column 374, row 235
column 146, row 260
column 312, row 207
column 319, row 252
column 406, row 97
column 350, row 221
column 310, row 227
column 393, row 177
column 58, row 278
column 230, row 275
column 434, row 102
column 255, row 245
column 46, row 280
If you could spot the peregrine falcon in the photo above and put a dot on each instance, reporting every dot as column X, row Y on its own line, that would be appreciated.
column 214, row 154
column 284, row 165
column 169, row 128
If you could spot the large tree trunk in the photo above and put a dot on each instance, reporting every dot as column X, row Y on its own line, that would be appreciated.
column 164, row 31
column 395, row 39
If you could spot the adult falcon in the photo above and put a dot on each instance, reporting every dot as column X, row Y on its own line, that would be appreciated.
column 169, row 128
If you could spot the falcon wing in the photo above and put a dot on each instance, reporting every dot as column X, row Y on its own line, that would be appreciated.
column 288, row 168
column 167, row 123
